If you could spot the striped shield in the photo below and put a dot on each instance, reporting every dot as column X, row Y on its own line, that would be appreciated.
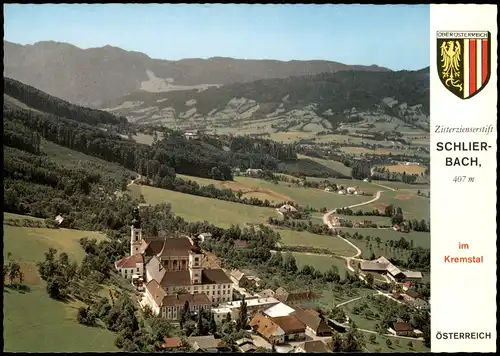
column 463, row 60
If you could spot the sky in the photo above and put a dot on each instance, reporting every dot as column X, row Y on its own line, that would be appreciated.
column 392, row 36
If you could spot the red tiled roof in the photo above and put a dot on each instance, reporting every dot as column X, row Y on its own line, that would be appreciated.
column 172, row 342
column 130, row 261
column 240, row 243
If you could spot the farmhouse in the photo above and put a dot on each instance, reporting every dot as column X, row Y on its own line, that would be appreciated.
column 279, row 309
column 316, row 346
column 295, row 298
column 287, row 209
column 383, row 265
column 314, row 322
column 362, row 223
column 328, row 189
column 191, row 135
column 206, row 236
column 341, row 191
column 352, row 190
column 171, row 343
column 60, row 221
column 336, row 221
column 203, row 343
column 278, row 330
column 403, row 227
column 253, row 172
column 401, row 329
column 243, row 280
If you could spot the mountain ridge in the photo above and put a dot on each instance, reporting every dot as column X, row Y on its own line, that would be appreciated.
column 96, row 75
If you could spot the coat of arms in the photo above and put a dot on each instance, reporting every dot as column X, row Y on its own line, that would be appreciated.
column 463, row 60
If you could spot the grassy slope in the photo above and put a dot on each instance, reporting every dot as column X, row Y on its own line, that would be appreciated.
column 306, row 196
column 195, row 208
column 337, row 166
column 33, row 322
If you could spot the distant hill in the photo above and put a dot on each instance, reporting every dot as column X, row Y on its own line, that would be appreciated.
column 326, row 99
column 96, row 75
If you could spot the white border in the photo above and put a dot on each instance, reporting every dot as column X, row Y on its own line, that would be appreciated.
column 463, row 296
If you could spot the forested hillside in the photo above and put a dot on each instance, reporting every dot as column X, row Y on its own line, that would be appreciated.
column 84, row 189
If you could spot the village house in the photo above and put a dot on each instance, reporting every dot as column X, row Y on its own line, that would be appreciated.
column 352, row 190
column 314, row 322
column 254, row 305
column 411, row 294
column 403, row 227
column 341, row 192
column 295, row 298
column 131, row 267
column 206, row 236
column 336, row 221
column 383, row 265
column 278, row 330
column 60, row 221
column 253, row 172
column 287, row 210
column 312, row 346
column 401, row 329
column 328, row 189
column 191, row 135
column 266, row 293
column 203, row 343
column 240, row 244
column 279, row 309
column 171, row 343
column 245, row 345
column 362, row 223
column 243, row 280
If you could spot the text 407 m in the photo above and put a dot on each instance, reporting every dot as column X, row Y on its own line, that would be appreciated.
column 463, row 179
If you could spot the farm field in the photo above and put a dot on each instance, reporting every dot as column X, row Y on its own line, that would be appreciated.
column 304, row 238
column 194, row 208
column 320, row 263
column 33, row 322
column 381, row 151
column 29, row 244
column 379, row 220
column 413, row 206
column 409, row 169
column 401, row 185
column 420, row 239
column 365, row 186
column 291, row 136
column 248, row 190
column 335, row 165
column 306, row 196
column 332, row 296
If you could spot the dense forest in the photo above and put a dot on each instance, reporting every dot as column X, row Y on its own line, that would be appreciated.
column 212, row 158
column 39, row 100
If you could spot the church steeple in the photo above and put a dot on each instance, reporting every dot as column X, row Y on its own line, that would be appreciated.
column 135, row 233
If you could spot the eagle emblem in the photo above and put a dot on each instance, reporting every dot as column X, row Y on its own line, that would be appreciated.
column 464, row 61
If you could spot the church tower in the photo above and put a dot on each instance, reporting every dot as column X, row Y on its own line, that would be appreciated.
column 135, row 234
column 195, row 269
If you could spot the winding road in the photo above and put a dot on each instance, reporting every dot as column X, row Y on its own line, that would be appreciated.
column 326, row 221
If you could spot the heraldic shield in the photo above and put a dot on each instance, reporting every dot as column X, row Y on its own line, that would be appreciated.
column 464, row 61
